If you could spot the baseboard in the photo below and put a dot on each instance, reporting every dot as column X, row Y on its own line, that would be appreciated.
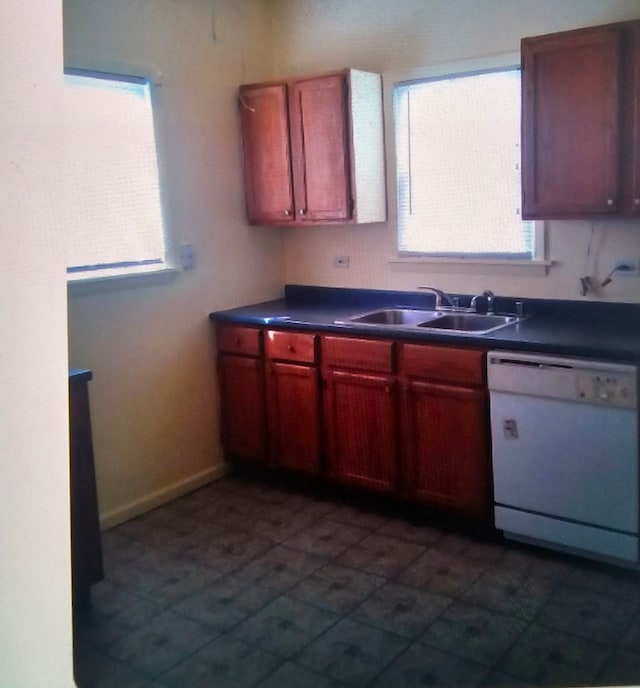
column 159, row 497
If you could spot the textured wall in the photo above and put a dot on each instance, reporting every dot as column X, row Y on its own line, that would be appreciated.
column 35, row 571
column 149, row 344
column 400, row 40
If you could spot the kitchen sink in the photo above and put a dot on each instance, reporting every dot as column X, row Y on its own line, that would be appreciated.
column 471, row 322
column 411, row 318
column 395, row 316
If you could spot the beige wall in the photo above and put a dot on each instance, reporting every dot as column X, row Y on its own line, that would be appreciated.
column 148, row 343
column 398, row 39
column 35, row 580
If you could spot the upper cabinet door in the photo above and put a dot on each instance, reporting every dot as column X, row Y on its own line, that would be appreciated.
column 267, row 160
column 571, row 123
column 319, row 138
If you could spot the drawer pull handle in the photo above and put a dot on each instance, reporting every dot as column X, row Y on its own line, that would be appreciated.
column 291, row 348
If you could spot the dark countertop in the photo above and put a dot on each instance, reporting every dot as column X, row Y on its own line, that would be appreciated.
column 77, row 375
column 609, row 331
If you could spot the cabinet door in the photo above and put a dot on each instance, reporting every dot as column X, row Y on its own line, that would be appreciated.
column 267, row 160
column 293, row 400
column 242, row 407
column 320, row 148
column 361, row 429
column 446, row 460
column 571, row 124
column 633, row 112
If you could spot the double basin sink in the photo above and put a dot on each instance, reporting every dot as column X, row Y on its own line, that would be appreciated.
column 452, row 321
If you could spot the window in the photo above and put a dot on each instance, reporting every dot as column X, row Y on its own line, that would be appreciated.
column 458, row 168
column 114, row 215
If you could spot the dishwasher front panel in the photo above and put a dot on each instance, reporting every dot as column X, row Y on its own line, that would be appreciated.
column 572, row 461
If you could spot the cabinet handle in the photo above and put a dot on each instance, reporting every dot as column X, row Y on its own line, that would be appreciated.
column 291, row 348
column 238, row 342
column 609, row 201
column 387, row 389
column 287, row 213
column 636, row 201
column 302, row 211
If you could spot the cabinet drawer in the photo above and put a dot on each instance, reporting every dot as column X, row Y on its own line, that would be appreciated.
column 238, row 340
column 358, row 354
column 291, row 346
column 463, row 366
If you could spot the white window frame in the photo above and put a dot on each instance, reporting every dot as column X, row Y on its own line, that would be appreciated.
column 539, row 263
column 169, row 264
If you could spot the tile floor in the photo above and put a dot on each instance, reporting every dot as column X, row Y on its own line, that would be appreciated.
column 247, row 582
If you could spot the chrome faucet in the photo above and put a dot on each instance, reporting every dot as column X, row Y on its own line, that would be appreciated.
column 487, row 294
column 440, row 297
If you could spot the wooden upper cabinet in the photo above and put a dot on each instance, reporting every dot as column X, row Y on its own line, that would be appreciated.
column 580, row 120
column 314, row 150
column 321, row 166
column 264, row 123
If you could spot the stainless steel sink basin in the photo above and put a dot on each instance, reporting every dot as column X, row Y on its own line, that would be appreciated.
column 395, row 316
column 411, row 318
column 470, row 322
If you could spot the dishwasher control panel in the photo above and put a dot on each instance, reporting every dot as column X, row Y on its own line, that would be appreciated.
column 605, row 388
column 556, row 377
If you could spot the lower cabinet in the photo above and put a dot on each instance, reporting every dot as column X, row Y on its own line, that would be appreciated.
column 242, row 393
column 360, row 419
column 293, row 401
column 444, row 428
column 394, row 417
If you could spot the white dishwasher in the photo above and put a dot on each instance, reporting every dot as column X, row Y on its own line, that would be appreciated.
column 564, row 437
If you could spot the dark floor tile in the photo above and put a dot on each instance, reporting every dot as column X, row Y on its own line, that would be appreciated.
column 113, row 613
column 224, row 663
column 311, row 504
column 326, row 538
column 474, row 633
column 536, row 562
column 621, row 669
column 510, row 592
column 400, row 609
column 443, row 573
column 588, row 614
column 498, row 679
column 235, row 505
column 266, row 492
column 156, row 570
column 360, row 517
column 420, row 534
column 94, row 669
column 420, row 666
column 631, row 640
column 489, row 552
column 226, row 602
column 381, row 555
column 284, row 626
column 291, row 675
column 351, row 652
column 279, row 523
column 336, row 588
column 228, row 557
column 161, row 643
column 607, row 579
column 280, row 567
column 117, row 548
column 550, row 658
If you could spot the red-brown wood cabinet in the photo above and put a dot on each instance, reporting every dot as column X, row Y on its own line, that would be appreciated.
column 581, row 123
column 313, row 149
column 390, row 416
column 444, row 427
column 293, row 401
column 360, row 403
column 242, row 393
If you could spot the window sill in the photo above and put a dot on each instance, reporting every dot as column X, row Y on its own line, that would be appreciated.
column 90, row 282
column 492, row 266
